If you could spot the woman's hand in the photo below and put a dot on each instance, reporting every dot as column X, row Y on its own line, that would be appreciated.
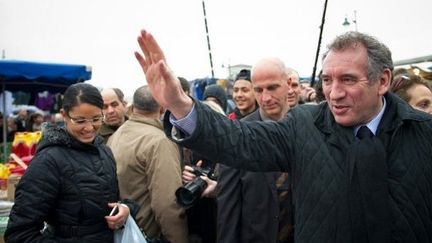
column 117, row 220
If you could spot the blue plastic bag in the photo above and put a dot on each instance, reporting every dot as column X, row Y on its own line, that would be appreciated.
column 130, row 233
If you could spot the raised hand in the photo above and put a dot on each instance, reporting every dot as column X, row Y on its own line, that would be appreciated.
column 163, row 84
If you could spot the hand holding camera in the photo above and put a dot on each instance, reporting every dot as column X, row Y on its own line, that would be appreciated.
column 199, row 182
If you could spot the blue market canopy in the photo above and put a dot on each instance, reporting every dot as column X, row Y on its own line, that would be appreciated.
column 27, row 76
column 36, row 77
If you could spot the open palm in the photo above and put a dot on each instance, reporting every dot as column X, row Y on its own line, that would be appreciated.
column 163, row 84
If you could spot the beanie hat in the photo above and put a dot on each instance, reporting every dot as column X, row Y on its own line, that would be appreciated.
column 218, row 93
column 244, row 74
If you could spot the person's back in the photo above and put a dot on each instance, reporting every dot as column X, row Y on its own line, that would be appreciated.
column 216, row 94
column 148, row 168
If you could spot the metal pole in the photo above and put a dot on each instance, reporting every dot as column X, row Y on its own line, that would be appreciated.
column 5, row 118
column 5, row 125
column 208, row 39
column 319, row 45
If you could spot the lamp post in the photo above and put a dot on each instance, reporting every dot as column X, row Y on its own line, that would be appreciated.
column 347, row 23
column 228, row 68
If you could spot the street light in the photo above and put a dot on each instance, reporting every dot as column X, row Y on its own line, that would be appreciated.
column 346, row 22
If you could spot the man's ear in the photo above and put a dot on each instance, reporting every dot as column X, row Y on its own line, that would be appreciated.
column 63, row 112
column 384, row 81
column 161, row 110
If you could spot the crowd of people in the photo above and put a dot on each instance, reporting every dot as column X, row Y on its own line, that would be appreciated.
column 23, row 121
column 348, row 160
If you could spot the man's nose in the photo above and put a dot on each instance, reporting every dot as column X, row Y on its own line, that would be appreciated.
column 336, row 91
column 266, row 96
column 110, row 109
column 290, row 90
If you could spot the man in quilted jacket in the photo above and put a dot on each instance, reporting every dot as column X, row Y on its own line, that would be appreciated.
column 360, row 162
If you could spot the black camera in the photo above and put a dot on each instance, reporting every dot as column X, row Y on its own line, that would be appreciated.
column 188, row 194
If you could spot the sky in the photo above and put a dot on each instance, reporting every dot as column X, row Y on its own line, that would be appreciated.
column 103, row 33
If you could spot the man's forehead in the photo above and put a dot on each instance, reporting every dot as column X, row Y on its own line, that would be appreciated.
column 109, row 96
column 242, row 83
column 268, row 83
column 295, row 81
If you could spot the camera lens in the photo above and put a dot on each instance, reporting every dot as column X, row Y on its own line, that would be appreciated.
column 188, row 194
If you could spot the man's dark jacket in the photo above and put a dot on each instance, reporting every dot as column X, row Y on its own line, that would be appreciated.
column 317, row 153
column 248, row 203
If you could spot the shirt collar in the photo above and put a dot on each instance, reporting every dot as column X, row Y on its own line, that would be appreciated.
column 373, row 124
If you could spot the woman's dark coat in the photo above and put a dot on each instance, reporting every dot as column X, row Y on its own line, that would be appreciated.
column 67, row 185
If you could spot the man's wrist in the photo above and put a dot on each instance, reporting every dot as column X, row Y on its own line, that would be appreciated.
column 181, row 111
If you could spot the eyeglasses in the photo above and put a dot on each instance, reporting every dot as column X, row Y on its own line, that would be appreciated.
column 98, row 120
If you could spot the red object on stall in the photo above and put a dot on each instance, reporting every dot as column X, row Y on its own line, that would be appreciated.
column 24, row 143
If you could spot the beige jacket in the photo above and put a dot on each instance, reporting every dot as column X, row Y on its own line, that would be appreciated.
column 148, row 170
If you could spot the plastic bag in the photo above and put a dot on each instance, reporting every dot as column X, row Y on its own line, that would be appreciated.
column 130, row 233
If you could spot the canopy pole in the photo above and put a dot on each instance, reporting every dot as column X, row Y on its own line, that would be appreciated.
column 208, row 39
column 312, row 83
column 5, row 126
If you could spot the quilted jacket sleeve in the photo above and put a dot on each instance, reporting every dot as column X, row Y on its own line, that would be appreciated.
column 34, row 197
column 244, row 145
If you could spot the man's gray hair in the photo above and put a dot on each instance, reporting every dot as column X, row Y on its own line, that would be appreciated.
column 144, row 101
column 293, row 74
column 379, row 55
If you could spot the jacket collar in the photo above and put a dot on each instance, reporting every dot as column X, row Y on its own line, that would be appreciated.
column 397, row 112
column 58, row 136
column 149, row 121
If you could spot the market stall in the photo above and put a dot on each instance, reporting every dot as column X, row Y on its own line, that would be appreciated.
column 17, row 75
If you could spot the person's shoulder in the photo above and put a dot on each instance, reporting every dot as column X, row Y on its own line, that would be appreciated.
column 315, row 111
column 254, row 116
column 232, row 116
column 106, row 131
column 311, row 107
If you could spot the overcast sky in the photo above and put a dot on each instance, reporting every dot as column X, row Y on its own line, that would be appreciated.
column 102, row 33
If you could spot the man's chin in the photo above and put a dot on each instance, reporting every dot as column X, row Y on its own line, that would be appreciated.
column 112, row 124
column 345, row 121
